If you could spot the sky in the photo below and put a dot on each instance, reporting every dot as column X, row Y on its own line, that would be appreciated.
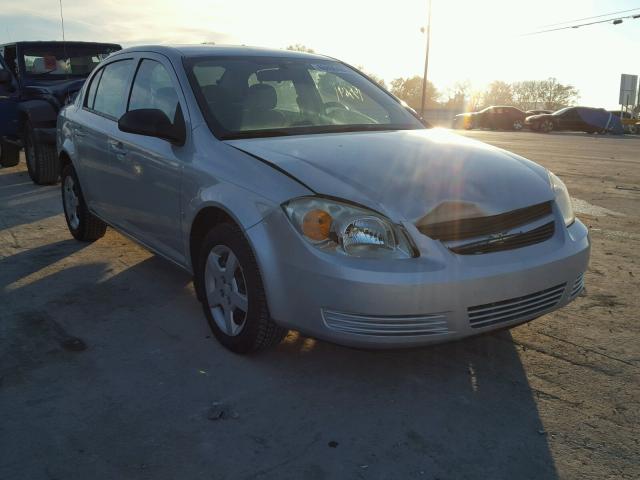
column 475, row 41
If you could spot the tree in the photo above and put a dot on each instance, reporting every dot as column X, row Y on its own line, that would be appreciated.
column 499, row 93
column 555, row 95
column 298, row 47
column 526, row 94
column 410, row 90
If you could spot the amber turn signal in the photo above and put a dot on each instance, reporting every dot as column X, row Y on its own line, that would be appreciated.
column 316, row 225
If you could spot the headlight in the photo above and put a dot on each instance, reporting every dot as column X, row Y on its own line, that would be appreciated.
column 562, row 199
column 345, row 229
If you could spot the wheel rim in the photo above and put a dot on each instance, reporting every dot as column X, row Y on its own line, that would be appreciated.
column 226, row 290
column 71, row 202
column 546, row 126
column 517, row 125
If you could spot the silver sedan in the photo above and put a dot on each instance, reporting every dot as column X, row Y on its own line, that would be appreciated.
column 301, row 195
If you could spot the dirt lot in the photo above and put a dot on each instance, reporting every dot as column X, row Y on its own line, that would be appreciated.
column 556, row 398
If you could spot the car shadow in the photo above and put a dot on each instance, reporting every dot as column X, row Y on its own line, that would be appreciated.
column 22, row 201
column 153, row 386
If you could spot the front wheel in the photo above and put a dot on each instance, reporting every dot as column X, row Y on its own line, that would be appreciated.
column 83, row 225
column 230, row 285
column 546, row 126
column 42, row 159
column 517, row 125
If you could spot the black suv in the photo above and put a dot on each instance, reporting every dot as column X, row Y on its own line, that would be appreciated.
column 36, row 80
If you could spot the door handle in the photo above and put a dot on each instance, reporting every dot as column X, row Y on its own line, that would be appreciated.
column 80, row 132
column 117, row 147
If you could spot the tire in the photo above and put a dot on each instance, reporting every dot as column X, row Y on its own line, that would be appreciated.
column 42, row 159
column 517, row 125
column 234, row 302
column 633, row 129
column 83, row 225
column 546, row 126
column 9, row 154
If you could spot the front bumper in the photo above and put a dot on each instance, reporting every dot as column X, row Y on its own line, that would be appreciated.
column 437, row 297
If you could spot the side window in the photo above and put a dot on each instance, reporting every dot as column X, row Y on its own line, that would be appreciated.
column 91, row 92
column 111, row 94
column 152, row 88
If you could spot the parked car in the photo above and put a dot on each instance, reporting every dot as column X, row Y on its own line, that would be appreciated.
column 581, row 119
column 628, row 119
column 495, row 118
column 301, row 195
column 537, row 112
column 36, row 80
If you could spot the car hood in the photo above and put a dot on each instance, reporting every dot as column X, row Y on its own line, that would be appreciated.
column 423, row 176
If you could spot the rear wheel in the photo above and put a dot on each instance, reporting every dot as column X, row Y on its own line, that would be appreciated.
column 232, row 292
column 9, row 154
column 83, row 225
column 42, row 159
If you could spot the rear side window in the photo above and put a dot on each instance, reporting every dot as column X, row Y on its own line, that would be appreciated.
column 152, row 88
column 111, row 94
column 91, row 94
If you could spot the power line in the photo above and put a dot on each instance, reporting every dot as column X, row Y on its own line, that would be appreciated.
column 615, row 20
column 589, row 18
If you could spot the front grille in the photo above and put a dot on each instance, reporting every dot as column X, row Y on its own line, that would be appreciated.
column 578, row 285
column 380, row 326
column 466, row 228
column 495, row 233
column 507, row 242
column 515, row 308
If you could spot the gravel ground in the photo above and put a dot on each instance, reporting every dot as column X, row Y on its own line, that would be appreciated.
column 108, row 370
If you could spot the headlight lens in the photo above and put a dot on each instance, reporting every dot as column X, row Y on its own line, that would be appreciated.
column 345, row 229
column 562, row 199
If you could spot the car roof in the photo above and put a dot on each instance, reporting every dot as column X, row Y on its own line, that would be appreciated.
column 192, row 51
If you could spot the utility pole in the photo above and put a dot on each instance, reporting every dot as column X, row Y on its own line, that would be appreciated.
column 426, row 65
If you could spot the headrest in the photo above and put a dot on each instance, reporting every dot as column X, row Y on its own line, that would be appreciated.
column 261, row 97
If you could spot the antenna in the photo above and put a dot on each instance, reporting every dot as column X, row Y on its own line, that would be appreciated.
column 62, row 20
column 64, row 43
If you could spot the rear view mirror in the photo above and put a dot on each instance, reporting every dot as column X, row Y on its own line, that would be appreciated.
column 154, row 123
column 272, row 75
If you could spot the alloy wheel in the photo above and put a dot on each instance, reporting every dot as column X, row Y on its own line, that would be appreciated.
column 226, row 290
column 71, row 202
column 517, row 125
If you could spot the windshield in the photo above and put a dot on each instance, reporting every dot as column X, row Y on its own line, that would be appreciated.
column 264, row 96
column 64, row 60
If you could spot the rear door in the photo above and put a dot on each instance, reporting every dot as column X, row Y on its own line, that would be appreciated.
column 8, row 102
column 147, row 170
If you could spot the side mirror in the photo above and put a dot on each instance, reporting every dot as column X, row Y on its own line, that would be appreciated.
column 154, row 123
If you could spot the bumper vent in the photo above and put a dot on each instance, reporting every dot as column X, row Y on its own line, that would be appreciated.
column 578, row 285
column 495, row 233
column 515, row 308
column 379, row 326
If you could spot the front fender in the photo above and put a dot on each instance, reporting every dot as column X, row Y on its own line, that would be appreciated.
column 40, row 113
